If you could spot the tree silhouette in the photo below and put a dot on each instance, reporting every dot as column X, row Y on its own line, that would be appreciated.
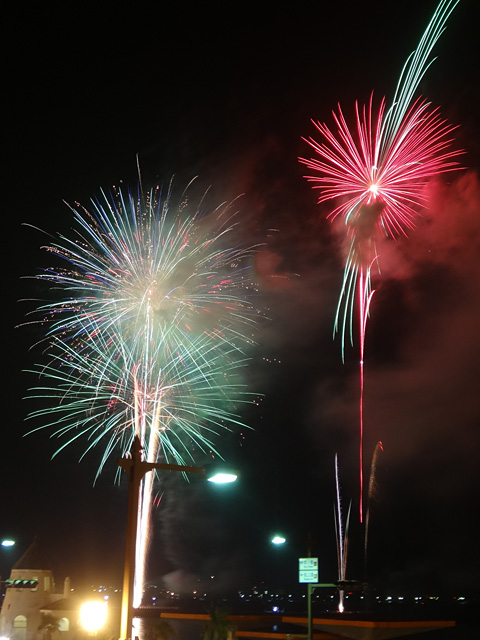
column 161, row 630
column 218, row 627
column 49, row 625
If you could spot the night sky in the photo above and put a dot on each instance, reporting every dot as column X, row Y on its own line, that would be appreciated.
column 226, row 92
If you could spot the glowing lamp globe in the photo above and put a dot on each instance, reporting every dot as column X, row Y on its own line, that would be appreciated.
column 220, row 473
column 222, row 477
column 93, row 615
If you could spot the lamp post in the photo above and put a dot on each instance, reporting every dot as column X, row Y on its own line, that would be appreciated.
column 6, row 543
column 136, row 468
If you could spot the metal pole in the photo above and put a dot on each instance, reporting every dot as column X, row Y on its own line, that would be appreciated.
column 309, row 610
column 136, row 468
column 311, row 588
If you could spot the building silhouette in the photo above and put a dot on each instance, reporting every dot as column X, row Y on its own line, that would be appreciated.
column 31, row 600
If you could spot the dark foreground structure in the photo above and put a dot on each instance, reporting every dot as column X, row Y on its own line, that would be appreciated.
column 190, row 626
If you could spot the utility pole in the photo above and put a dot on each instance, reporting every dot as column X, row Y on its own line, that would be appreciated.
column 136, row 468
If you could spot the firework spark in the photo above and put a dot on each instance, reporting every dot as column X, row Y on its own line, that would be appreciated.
column 149, row 333
column 377, row 174
column 372, row 487
column 341, row 530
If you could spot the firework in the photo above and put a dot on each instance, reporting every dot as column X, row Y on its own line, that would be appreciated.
column 148, row 332
column 372, row 488
column 341, row 530
column 376, row 174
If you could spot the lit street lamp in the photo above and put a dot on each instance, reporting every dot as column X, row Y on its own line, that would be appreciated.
column 222, row 477
column 136, row 468
column 93, row 616
column 8, row 543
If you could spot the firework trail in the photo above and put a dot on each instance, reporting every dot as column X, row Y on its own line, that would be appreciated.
column 376, row 175
column 147, row 334
column 342, row 538
column 372, row 487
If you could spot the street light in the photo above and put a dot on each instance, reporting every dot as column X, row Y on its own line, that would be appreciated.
column 219, row 475
column 93, row 615
column 8, row 543
column 136, row 468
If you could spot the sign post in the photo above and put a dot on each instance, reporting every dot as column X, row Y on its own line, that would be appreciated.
column 307, row 570
column 308, row 573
